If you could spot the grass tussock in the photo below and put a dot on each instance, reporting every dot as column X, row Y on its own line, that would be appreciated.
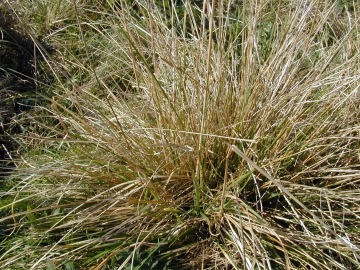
column 202, row 135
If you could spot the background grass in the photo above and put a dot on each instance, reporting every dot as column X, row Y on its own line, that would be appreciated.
column 189, row 135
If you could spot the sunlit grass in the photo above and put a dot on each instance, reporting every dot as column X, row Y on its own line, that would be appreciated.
column 181, row 138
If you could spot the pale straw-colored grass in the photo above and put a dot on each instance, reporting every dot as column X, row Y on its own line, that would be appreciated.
column 217, row 136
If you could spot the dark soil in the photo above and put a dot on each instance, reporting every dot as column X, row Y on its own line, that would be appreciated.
column 19, row 83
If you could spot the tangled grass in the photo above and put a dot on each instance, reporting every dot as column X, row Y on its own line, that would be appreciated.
column 212, row 135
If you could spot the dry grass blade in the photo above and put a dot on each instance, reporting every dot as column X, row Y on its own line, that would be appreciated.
column 292, row 197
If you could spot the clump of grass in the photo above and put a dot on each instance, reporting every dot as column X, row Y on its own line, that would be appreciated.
column 214, row 136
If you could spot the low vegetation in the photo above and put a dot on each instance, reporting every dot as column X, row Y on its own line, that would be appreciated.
column 189, row 135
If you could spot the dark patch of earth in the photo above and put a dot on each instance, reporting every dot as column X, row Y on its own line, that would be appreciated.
column 19, row 82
